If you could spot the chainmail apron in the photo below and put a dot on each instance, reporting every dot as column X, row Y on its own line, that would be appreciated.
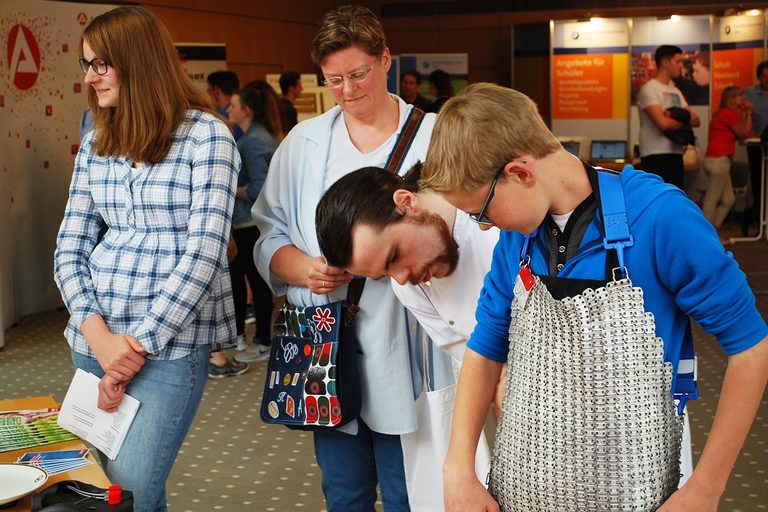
column 588, row 421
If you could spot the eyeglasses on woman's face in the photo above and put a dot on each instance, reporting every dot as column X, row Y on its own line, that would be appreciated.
column 334, row 82
column 99, row 66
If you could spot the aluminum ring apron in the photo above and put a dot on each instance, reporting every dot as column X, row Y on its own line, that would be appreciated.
column 588, row 421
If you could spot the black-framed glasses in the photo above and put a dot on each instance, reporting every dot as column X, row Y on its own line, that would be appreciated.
column 334, row 82
column 480, row 217
column 99, row 66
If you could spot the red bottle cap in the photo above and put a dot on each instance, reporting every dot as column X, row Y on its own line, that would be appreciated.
column 115, row 495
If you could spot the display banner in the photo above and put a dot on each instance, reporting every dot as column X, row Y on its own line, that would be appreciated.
column 42, row 98
column 590, row 69
column 739, row 46
column 589, row 85
column 691, row 34
column 590, row 74
column 201, row 59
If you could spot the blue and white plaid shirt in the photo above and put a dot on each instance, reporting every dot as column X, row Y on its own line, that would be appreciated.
column 160, row 273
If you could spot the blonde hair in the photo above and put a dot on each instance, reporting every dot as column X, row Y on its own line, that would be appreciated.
column 155, row 93
column 345, row 26
column 729, row 93
column 477, row 131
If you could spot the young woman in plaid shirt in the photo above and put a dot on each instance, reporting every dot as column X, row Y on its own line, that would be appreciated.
column 150, row 299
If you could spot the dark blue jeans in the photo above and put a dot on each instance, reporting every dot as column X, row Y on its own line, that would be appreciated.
column 353, row 465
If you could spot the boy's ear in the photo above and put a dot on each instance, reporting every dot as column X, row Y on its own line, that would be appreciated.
column 520, row 171
column 406, row 201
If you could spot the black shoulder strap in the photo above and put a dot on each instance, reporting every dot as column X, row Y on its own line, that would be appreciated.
column 354, row 292
column 404, row 140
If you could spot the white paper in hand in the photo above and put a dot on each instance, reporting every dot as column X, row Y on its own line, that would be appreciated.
column 81, row 415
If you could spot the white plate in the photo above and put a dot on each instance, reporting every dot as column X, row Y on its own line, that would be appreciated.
column 17, row 481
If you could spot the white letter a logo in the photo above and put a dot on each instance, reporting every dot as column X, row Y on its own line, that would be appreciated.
column 22, row 60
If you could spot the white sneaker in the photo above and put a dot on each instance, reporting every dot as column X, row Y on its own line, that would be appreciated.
column 241, row 344
column 254, row 353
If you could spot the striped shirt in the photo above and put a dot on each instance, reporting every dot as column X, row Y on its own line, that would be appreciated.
column 160, row 273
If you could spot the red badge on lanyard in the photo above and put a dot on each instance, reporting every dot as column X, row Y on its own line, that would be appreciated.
column 523, row 285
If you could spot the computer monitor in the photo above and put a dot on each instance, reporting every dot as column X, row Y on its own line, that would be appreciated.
column 572, row 147
column 608, row 151
column 577, row 145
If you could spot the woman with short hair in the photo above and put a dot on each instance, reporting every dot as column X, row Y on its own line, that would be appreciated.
column 350, row 49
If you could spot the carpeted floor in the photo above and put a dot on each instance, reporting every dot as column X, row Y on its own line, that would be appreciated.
column 231, row 461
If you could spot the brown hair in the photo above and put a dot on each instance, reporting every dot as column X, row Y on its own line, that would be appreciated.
column 345, row 26
column 262, row 100
column 477, row 131
column 155, row 93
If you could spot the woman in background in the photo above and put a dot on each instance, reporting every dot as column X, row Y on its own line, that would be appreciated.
column 731, row 122
column 147, row 300
column 256, row 111
column 441, row 88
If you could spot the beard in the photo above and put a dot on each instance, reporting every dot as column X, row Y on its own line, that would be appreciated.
column 449, row 250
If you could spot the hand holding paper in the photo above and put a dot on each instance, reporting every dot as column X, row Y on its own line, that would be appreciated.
column 81, row 415
column 111, row 393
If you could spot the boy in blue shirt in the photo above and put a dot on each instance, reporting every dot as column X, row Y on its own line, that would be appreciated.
column 492, row 156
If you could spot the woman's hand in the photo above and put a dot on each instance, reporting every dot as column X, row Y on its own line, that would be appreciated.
column 323, row 278
column 112, row 388
column 111, row 393
column 117, row 356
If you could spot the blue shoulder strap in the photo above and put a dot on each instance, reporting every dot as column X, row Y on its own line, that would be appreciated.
column 617, row 236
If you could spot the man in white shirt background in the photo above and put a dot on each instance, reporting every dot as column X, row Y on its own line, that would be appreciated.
column 659, row 154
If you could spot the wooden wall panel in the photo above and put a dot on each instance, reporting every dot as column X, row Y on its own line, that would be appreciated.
column 484, row 37
column 532, row 78
column 259, row 39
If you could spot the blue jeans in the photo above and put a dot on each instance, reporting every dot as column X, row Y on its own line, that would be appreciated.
column 169, row 392
column 352, row 466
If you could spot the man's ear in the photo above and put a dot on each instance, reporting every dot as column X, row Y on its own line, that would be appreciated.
column 406, row 201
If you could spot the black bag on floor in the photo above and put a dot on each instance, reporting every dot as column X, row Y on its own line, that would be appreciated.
column 74, row 496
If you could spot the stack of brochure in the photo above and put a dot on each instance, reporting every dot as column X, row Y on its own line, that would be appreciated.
column 55, row 462
column 28, row 428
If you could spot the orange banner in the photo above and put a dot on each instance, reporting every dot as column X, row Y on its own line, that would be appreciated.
column 733, row 67
column 583, row 86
